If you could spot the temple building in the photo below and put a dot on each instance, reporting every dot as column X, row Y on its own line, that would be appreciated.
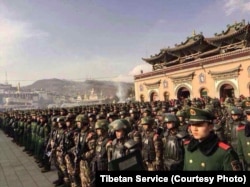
column 217, row 66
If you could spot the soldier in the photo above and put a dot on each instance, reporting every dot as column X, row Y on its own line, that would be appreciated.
column 49, row 155
column 67, row 143
column 27, row 133
column 123, row 148
column 231, row 127
column 205, row 151
column 34, row 125
column 243, row 147
column 100, row 160
column 92, row 120
column 58, row 146
column 183, row 125
column 82, row 153
column 43, row 136
column 173, row 139
column 151, row 145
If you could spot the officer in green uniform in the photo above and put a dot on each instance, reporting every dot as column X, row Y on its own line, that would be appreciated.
column 243, row 147
column 204, row 151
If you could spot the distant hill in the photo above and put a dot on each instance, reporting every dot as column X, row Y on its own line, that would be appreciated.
column 74, row 88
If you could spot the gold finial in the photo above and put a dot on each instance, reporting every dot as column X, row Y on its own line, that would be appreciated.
column 194, row 33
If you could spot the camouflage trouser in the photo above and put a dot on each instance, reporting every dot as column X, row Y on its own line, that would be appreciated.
column 152, row 166
column 62, row 165
column 85, row 174
column 73, row 171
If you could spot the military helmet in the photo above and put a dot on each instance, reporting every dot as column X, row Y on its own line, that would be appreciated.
column 181, row 113
column 169, row 117
column 70, row 117
column 119, row 124
column 101, row 124
column 236, row 111
column 61, row 119
column 147, row 120
column 82, row 118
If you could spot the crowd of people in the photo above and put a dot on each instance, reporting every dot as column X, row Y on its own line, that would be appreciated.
column 189, row 135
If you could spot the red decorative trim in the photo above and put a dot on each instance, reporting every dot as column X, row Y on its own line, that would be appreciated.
column 223, row 145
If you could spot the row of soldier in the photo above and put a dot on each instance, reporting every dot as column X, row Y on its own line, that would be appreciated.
column 79, row 143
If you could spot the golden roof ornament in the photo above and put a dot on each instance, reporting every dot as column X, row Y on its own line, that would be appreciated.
column 194, row 33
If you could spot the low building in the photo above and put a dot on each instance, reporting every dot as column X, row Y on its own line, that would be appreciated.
column 218, row 67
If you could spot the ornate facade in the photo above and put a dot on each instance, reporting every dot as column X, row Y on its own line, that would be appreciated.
column 217, row 67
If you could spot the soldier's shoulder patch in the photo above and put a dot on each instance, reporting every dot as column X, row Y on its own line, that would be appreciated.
column 241, row 128
column 223, row 145
column 185, row 142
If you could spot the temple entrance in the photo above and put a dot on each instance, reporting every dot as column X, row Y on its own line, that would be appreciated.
column 226, row 90
column 183, row 93
column 154, row 96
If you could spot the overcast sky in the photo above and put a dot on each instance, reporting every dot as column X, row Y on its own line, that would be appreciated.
column 101, row 39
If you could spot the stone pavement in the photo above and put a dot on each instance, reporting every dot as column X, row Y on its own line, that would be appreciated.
column 17, row 169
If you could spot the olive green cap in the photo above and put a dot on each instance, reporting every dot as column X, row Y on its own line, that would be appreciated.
column 197, row 115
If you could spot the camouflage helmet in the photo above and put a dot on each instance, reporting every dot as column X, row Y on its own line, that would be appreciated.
column 101, row 124
column 61, row 119
column 169, row 117
column 82, row 118
column 70, row 117
column 181, row 113
column 119, row 124
column 148, row 120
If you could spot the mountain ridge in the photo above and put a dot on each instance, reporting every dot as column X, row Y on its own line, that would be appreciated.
column 74, row 88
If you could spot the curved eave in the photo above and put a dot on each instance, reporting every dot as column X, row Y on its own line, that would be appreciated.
column 225, row 72
column 152, row 59
column 228, row 35
column 189, row 43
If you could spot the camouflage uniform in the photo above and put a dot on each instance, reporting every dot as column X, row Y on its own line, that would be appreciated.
column 173, row 138
column 82, row 153
column 231, row 127
column 151, row 145
column 122, row 147
column 100, row 160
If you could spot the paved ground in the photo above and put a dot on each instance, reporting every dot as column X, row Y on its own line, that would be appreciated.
column 17, row 169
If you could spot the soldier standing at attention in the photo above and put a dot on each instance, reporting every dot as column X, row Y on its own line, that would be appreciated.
column 232, row 125
column 243, row 148
column 205, row 152
column 82, row 153
column 100, row 159
column 122, row 147
column 173, row 139
column 151, row 145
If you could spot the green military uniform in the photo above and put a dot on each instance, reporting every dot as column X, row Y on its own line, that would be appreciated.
column 243, row 147
column 209, row 154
